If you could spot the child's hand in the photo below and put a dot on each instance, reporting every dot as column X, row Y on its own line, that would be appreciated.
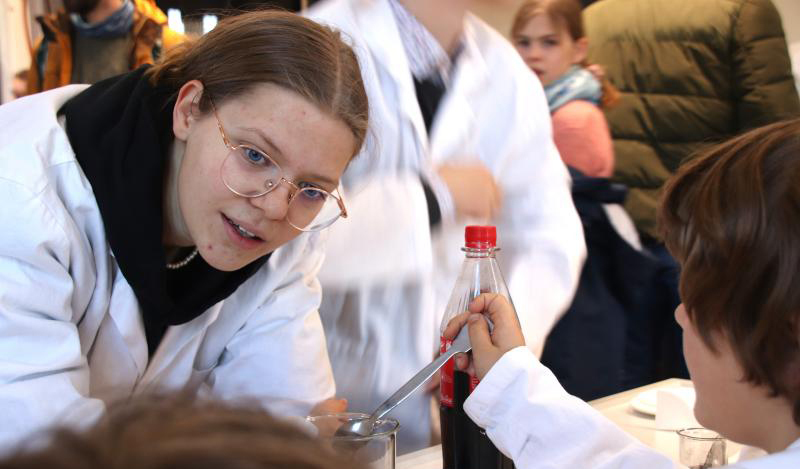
column 329, row 406
column 486, row 348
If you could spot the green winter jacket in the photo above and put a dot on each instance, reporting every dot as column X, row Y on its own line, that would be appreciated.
column 690, row 73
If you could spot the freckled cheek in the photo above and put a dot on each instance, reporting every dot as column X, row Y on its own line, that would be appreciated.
column 210, row 194
column 211, row 175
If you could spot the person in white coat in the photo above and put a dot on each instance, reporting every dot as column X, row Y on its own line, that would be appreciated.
column 460, row 134
column 161, row 228
column 730, row 216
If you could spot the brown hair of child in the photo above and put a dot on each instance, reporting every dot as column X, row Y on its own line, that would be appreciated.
column 178, row 432
column 731, row 217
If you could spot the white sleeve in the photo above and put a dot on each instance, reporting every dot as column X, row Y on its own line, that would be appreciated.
column 279, row 357
column 386, row 237
column 532, row 420
column 44, row 376
column 541, row 236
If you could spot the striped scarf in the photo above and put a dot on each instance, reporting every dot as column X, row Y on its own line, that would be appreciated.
column 118, row 24
column 576, row 83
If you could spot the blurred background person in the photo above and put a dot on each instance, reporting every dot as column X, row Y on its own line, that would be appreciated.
column 178, row 432
column 586, row 348
column 19, row 84
column 90, row 40
column 690, row 72
column 549, row 36
column 461, row 135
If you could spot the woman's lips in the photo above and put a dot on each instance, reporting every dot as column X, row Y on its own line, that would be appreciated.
column 239, row 235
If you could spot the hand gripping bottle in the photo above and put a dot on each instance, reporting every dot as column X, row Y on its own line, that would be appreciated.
column 464, row 444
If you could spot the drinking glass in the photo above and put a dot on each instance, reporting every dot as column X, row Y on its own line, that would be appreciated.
column 376, row 451
column 701, row 448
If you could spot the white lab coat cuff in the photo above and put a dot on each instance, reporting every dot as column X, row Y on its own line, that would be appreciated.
column 494, row 404
column 490, row 397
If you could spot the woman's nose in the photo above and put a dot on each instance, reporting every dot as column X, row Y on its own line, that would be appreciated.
column 275, row 203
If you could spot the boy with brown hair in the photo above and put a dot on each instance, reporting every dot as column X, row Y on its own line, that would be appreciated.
column 731, row 217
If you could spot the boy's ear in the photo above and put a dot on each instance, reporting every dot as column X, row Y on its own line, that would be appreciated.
column 792, row 375
column 581, row 49
column 186, row 109
column 791, row 371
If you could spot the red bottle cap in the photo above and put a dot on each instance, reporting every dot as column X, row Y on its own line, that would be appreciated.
column 480, row 237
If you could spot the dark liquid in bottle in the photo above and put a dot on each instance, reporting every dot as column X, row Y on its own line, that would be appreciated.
column 464, row 444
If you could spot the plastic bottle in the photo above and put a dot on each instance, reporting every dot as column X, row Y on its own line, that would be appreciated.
column 464, row 444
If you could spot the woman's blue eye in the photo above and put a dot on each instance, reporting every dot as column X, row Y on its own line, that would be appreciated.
column 255, row 156
column 312, row 193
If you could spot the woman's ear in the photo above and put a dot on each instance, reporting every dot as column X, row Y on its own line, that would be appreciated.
column 581, row 48
column 186, row 110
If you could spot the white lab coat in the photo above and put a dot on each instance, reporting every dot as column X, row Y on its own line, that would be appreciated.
column 387, row 278
column 71, row 332
column 532, row 419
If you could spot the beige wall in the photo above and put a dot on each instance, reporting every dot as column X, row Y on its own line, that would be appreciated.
column 13, row 48
column 790, row 13
column 499, row 13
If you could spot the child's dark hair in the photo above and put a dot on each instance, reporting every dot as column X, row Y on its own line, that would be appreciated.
column 731, row 217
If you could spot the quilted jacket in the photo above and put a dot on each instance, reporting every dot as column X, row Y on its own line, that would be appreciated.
column 690, row 73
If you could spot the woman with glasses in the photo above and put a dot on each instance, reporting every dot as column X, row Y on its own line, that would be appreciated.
column 161, row 229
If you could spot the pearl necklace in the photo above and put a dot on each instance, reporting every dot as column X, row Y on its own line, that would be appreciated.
column 179, row 264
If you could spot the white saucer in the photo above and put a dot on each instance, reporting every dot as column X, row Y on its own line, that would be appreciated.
column 645, row 402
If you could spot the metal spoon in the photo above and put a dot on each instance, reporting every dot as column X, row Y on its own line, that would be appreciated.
column 711, row 457
column 364, row 426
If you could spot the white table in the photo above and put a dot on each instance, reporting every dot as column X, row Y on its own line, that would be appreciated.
column 616, row 407
column 641, row 426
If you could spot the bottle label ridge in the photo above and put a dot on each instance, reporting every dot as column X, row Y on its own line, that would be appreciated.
column 446, row 384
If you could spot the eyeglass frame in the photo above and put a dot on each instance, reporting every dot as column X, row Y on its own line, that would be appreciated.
column 271, row 185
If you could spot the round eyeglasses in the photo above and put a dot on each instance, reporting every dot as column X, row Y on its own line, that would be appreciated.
column 249, row 172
